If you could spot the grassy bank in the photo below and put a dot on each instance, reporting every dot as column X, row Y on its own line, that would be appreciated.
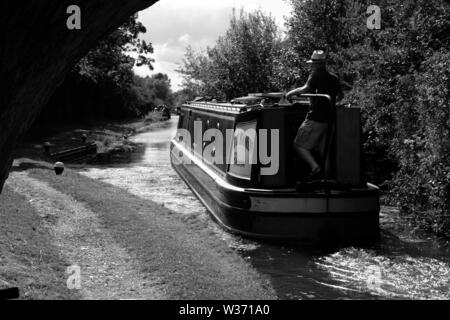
column 167, row 251
column 28, row 258
column 112, row 139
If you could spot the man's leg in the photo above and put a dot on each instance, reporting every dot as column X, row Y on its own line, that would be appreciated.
column 306, row 155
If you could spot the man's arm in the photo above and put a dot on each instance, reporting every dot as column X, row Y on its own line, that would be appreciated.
column 307, row 88
column 301, row 90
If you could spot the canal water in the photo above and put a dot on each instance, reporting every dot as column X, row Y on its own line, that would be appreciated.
column 402, row 265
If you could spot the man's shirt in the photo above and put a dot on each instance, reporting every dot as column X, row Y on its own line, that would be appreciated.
column 323, row 82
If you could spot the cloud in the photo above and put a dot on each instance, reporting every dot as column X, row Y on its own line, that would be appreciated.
column 172, row 25
column 184, row 39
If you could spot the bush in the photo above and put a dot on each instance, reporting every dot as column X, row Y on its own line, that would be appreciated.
column 422, row 185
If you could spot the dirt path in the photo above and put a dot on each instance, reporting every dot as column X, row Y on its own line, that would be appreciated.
column 107, row 270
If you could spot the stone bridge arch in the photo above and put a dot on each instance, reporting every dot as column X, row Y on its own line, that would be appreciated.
column 36, row 52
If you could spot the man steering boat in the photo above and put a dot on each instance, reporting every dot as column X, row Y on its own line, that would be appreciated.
column 312, row 134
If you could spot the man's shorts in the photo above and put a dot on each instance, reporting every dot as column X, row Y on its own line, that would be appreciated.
column 312, row 135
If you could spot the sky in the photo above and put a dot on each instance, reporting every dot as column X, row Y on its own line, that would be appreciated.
column 172, row 25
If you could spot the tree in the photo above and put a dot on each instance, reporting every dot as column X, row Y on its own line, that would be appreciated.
column 111, row 60
column 422, row 184
column 100, row 85
column 153, row 91
column 197, row 74
column 240, row 62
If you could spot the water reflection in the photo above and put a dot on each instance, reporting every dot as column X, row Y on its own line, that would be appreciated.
column 402, row 265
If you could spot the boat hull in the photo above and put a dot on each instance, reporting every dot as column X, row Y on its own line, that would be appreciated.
column 333, row 217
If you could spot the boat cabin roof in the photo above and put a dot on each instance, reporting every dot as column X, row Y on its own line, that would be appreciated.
column 241, row 104
column 223, row 107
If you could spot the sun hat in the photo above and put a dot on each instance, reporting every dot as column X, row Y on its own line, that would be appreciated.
column 318, row 56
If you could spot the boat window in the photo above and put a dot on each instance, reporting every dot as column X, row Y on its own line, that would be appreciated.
column 243, row 150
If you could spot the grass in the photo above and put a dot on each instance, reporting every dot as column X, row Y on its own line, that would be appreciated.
column 190, row 263
column 28, row 259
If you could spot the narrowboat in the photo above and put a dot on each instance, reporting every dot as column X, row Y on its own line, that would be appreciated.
column 238, row 159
